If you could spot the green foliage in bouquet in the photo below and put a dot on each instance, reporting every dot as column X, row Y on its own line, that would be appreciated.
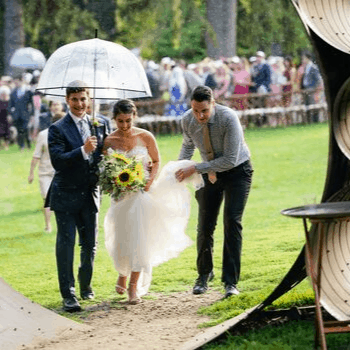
column 120, row 174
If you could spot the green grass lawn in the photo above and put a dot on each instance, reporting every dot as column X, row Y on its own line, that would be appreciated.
column 290, row 168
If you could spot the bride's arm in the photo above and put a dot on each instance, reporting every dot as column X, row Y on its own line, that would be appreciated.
column 153, row 152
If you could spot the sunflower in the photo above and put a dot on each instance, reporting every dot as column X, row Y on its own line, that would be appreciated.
column 125, row 177
column 122, row 157
column 139, row 171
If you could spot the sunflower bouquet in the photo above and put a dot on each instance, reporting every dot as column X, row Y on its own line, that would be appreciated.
column 120, row 175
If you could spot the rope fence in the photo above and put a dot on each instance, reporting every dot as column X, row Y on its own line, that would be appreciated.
column 254, row 110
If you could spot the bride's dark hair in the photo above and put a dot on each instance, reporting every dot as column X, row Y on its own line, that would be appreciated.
column 124, row 107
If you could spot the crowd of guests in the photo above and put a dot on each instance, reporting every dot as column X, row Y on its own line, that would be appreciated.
column 20, row 109
column 24, row 113
column 173, row 81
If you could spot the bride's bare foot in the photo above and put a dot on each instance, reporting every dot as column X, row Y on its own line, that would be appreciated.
column 120, row 287
column 133, row 299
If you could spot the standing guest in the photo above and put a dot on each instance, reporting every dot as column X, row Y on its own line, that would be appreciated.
column 252, row 64
column 311, row 80
column 177, row 91
column 152, row 73
column 37, row 109
column 75, row 147
column 288, row 87
column 261, row 79
column 46, row 172
column 208, row 76
column 227, row 172
column 191, row 78
column 166, row 65
column 277, row 70
column 45, row 119
column 196, row 69
column 277, row 80
column 289, row 74
column 4, row 118
column 223, row 79
column 231, row 64
column 261, row 75
column 241, row 81
column 36, row 100
column 21, row 108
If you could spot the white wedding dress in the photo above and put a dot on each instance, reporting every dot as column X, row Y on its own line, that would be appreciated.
column 145, row 229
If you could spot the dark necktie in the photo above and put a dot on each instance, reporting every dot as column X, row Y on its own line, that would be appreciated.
column 210, row 153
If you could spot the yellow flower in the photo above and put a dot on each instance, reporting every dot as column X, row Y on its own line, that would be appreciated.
column 139, row 171
column 122, row 157
column 125, row 177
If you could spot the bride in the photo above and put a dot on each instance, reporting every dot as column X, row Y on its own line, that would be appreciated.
column 146, row 228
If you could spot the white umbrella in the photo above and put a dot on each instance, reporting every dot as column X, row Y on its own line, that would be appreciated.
column 28, row 58
column 109, row 69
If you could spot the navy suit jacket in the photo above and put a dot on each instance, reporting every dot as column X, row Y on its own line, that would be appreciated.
column 45, row 120
column 263, row 76
column 311, row 79
column 75, row 182
column 21, row 108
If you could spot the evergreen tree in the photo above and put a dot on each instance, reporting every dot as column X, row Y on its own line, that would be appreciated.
column 51, row 24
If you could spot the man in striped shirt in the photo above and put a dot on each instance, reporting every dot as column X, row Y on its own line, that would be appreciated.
column 227, row 173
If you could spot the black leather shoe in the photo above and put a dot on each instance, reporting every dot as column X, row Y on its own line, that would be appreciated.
column 71, row 304
column 201, row 284
column 230, row 289
column 87, row 295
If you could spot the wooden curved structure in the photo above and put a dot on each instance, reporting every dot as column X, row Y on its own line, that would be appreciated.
column 328, row 25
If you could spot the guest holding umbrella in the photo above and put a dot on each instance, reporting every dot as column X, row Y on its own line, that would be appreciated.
column 75, row 149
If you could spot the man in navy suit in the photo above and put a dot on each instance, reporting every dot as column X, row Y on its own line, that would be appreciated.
column 21, row 108
column 311, row 80
column 75, row 147
column 261, row 74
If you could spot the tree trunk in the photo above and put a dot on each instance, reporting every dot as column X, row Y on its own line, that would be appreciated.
column 13, row 33
column 221, row 36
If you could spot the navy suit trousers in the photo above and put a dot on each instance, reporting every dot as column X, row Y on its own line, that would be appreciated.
column 85, row 221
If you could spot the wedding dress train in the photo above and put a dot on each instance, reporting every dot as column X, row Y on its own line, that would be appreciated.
column 145, row 229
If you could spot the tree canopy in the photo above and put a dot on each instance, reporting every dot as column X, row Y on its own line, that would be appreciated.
column 159, row 28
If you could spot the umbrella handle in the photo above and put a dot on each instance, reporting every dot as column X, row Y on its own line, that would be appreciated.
column 93, row 131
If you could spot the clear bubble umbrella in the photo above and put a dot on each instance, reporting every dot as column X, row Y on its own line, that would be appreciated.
column 28, row 58
column 110, row 70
